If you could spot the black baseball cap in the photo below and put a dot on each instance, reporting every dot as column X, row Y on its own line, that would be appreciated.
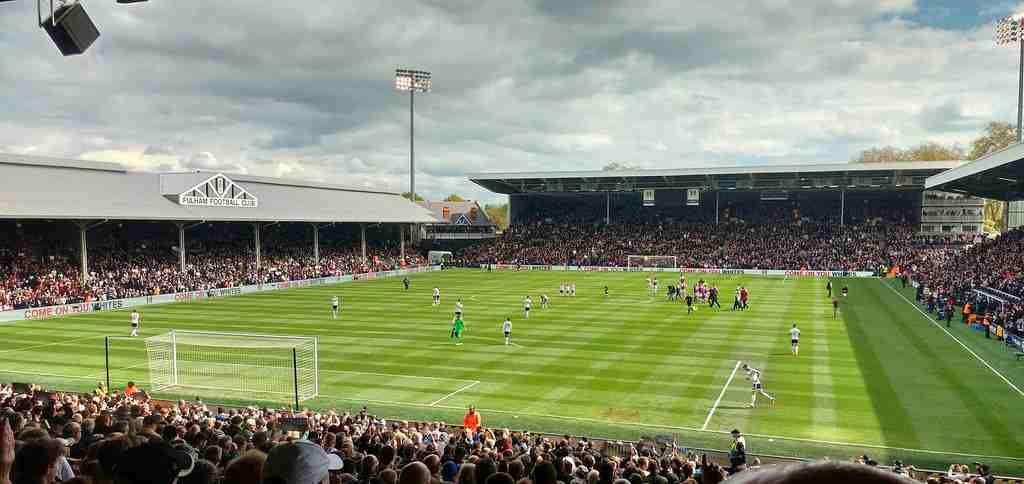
column 154, row 462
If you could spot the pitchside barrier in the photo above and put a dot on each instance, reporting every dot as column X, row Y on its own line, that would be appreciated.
column 704, row 270
column 115, row 304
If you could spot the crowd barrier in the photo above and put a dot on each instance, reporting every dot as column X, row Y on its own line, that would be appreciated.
column 704, row 270
column 115, row 304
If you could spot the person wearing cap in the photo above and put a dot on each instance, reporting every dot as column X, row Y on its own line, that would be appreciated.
column 298, row 462
column 154, row 462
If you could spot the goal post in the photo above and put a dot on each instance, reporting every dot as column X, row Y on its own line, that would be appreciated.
column 252, row 365
column 641, row 262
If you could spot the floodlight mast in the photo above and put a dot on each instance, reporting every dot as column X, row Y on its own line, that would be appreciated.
column 1009, row 31
column 413, row 81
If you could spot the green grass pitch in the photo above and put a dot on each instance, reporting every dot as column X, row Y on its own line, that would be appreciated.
column 880, row 379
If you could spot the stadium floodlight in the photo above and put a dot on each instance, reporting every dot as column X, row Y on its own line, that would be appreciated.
column 414, row 81
column 1010, row 31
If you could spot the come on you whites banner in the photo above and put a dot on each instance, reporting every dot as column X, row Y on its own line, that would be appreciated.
column 115, row 304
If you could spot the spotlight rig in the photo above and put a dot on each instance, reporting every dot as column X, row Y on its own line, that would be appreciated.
column 68, row 25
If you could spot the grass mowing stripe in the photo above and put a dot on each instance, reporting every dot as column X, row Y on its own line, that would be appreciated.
column 961, row 343
column 718, row 400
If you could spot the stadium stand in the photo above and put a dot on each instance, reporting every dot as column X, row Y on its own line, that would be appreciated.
column 39, row 266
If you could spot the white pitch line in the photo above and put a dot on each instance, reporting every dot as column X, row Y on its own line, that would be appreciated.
column 962, row 345
column 64, row 342
column 714, row 407
column 439, row 400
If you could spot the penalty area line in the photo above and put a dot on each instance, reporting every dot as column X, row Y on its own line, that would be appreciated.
column 962, row 345
column 714, row 407
column 452, row 394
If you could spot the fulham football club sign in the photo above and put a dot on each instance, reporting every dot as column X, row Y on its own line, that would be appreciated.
column 217, row 191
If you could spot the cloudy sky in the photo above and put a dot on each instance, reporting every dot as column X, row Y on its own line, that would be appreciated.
column 304, row 89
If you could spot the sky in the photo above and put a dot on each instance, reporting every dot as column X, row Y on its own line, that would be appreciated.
column 306, row 89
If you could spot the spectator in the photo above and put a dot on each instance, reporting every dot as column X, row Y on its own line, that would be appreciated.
column 298, row 462
column 471, row 422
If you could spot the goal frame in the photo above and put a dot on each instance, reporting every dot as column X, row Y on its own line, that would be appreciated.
column 631, row 257
column 170, row 338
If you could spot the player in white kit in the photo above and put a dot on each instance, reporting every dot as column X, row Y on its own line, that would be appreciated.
column 506, row 328
column 754, row 375
column 335, row 303
column 526, row 306
column 654, row 287
column 572, row 289
column 458, row 309
column 437, row 296
column 794, row 339
column 136, row 320
column 544, row 301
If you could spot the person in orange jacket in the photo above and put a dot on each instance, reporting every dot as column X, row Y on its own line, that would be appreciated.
column 472, row 420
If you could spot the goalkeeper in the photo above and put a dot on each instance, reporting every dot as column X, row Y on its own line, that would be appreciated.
column 458, row 326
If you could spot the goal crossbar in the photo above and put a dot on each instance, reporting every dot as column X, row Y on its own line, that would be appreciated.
column 651, row 261
column 244, row 362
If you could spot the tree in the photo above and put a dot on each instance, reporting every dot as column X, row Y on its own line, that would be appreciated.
column 928, row 151
column 996, row 137
column 454, row 198
column 418, row 197
column 498, row 214
column 616, row 166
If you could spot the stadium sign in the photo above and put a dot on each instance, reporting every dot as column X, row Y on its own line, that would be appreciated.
column 218, row 191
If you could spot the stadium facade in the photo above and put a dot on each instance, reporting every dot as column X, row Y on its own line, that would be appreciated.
column 91, row 193
column 838, row 193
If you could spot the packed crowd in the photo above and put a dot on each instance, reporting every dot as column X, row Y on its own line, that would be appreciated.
column 737, row 246
column 34, row 273
column 126, row 438
column 996, row 266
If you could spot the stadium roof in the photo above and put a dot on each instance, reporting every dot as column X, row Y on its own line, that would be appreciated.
column 887, row 175
column 999, row 176
column 49, row 188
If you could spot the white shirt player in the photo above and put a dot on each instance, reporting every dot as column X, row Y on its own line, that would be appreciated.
column 334, row 307
column 572, row 289
column 794, row 334
column 458, row 307
column 437, row 296
column 334, row 302
column 526, row 306
column 135, row 323
column 506, row 328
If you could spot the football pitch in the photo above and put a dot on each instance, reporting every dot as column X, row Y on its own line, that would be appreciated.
column 880, row 379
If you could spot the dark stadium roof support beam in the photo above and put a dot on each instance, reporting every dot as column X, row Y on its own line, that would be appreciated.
column 256, row 245
column 182, row 227
column 83, row 246
column 362, row 240
column 316, row 240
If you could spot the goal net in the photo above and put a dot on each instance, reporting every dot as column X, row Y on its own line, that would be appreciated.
column 640, row 262
column 251, row 365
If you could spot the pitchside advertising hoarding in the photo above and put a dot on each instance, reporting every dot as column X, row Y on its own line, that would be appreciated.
column 116, row 304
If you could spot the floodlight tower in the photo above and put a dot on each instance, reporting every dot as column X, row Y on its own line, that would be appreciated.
column 1010, row 31
column 413, row 81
